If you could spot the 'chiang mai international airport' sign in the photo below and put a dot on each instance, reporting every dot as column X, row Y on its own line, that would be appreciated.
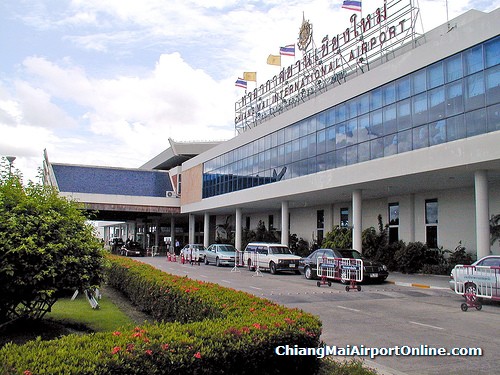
column 347, row 53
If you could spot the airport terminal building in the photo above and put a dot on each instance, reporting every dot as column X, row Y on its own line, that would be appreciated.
column 377, row 120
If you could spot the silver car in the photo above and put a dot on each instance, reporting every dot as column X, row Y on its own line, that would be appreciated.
column 220, row 254
column 488, row 261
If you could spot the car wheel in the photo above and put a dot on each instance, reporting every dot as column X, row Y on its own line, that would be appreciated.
column 308, row 273
column 206, row 260
column 272, row 268
column 217, row 262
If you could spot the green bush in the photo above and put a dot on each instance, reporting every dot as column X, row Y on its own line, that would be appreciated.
column 410, row 258
column 46, row 246
column 338, row 238
column 205, row 329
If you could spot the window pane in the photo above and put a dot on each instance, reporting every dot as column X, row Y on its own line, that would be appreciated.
column 420, row 137
column 436, row 104
column 404, row 114
column 474, row 92
column 377, row 148
column 375, row 99
column 340, row 158
column 453, row 67
column 340, row 113
column 376, row 127
column 405, row 141
column 493, row 85
column 389, row 93
column 492, row 52
column 363, row 151
column 431, row 211
column 419, row 104
column 363, row 126
column 494, row 118
column 364, row 103
column 324, row 120
column 454, row 99
column 475, row 122
column 321, row 141
column 394, row 214
column 419, row 81
column 403, row 88
column 311, row 145
column 330, row 138
column 391, row 145
column 351, row 132
column 437, row 132
column 352, row 155
column 390, row 123
column 473, row 60
column 455, row 128
column 435, row 75
column 431, row 236
column 352, row 108
column 340, row 135
column 303, row 148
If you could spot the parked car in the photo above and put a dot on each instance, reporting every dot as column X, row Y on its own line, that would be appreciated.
column 372, row 270
column 270, row 256
column 132, row 248
column 220, row 254
column 195, row 252
column 490, row 261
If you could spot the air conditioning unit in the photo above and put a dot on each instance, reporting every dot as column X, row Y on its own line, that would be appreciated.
column 171, row 194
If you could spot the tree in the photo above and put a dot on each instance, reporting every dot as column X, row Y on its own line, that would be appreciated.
column 47, row 246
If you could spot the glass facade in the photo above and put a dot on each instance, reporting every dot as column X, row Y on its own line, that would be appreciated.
column 451, row 99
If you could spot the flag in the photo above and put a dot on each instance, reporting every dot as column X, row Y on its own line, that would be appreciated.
column 352, row 5
column 288, row 50
column 241, row 83
column 250, row 76
column 274, row 60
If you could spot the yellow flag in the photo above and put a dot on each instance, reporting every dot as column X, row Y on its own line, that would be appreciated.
column 250, row 76
column 274, row 60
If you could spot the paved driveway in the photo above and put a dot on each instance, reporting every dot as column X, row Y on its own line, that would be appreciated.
column 381, row 315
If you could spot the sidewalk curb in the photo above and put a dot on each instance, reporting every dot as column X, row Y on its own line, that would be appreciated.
column 416, row 285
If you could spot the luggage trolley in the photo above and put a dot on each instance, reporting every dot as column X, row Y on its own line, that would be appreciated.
column 476, row 282
column 340, row 269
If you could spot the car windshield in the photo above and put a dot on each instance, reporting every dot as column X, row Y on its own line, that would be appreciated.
column 226, row 248
column 279, row 250
column 349, row 253
column 198, row 247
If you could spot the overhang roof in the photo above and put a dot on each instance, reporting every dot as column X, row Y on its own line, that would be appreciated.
column 178, row 153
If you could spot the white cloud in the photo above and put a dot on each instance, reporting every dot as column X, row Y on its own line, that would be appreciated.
column 169, row 71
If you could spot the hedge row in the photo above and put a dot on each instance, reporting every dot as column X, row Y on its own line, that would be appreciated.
column 203, row 329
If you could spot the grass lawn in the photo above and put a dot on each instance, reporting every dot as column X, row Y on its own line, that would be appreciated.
column 79, row 312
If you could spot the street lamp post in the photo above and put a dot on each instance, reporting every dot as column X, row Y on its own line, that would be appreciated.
column 11, row 161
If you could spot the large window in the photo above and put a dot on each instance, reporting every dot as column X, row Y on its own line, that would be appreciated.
column 393, row 222
column 431, row 223
column 451, row 99
column 320, row 226
column 344, row 217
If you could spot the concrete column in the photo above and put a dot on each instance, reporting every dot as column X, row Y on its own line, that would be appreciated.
column 411, row 217
column 356, row 220
column 238, row 230
column 482, row 214
column 172, row 234
column 206, row 229
column 284, row 223
column 192, row 226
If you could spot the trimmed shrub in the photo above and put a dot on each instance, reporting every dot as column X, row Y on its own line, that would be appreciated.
column 205, row 329
column 410, row 258
column 338, row 238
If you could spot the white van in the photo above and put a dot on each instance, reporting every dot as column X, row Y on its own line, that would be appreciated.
column 270, row 256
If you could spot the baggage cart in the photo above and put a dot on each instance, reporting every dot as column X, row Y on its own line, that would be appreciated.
column 475, row 283
column 346, row 270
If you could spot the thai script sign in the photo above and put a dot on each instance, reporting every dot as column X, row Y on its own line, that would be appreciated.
column 348, row 53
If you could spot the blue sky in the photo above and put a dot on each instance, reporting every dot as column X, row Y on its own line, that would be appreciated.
column 107, row 82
